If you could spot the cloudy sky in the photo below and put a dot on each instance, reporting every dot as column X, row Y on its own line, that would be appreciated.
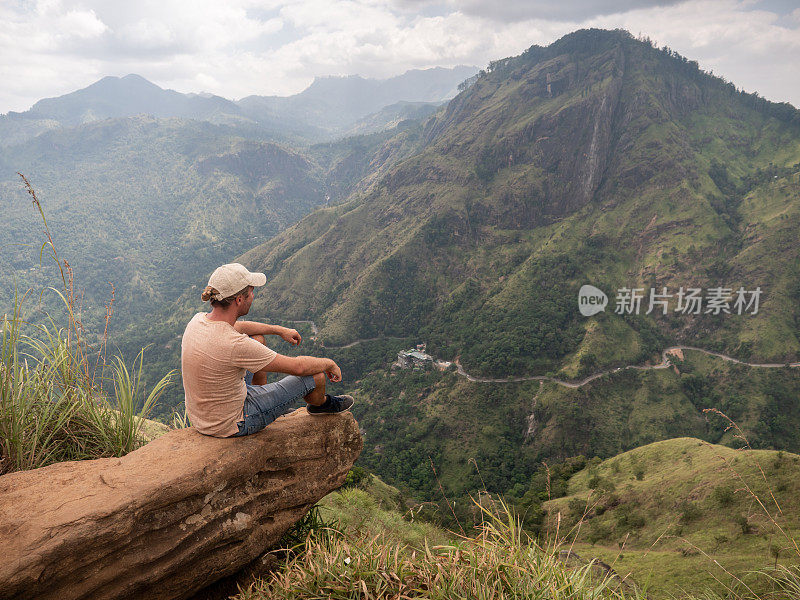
column 235, row 48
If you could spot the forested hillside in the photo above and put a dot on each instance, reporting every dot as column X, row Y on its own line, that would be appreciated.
column 146, row 205
column 599, row 159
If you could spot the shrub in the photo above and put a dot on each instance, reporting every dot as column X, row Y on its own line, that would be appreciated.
column 576, row 507
column 355, row 476
column 689, row 512
column 744, row 524
column 601, row 483
column 628, row 518
column 597, row 532
column 723, row 495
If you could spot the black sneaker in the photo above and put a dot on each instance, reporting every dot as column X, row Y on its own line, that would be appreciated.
column 333, row 404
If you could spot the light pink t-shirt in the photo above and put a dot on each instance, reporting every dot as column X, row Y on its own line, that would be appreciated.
column 214, row 358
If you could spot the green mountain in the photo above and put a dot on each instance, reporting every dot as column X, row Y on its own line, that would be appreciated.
column 598, row 159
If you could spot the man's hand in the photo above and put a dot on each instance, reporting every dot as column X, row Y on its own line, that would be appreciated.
column 291, row 336
column 334, row 373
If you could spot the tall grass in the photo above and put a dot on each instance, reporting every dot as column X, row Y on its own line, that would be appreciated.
column 501, row 562
column 348, row 561
column 53, row 406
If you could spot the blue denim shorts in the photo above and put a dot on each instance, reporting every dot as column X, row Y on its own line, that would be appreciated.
column 265, row 403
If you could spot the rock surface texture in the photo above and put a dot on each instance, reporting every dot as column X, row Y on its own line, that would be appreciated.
column 170, row 518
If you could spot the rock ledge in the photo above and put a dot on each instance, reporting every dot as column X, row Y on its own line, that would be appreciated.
column 170, row 518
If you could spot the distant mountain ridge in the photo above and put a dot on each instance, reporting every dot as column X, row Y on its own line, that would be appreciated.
column 113, row 97
column 133, row 177
column 331, row 102
column 326, row 108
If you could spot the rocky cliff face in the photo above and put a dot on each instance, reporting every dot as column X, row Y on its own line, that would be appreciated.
column 170, row 518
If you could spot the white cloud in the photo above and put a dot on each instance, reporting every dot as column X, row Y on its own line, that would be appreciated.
column 547, row 10
column 755, row 49
column 146, row 34
column 242, row 47
column 81, row 24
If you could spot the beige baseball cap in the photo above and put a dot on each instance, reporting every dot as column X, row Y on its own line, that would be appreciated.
column 231, row 278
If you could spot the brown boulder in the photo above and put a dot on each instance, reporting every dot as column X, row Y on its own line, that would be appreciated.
column 170, row 518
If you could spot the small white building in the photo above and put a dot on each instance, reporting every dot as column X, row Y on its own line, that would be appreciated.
column 414, row 359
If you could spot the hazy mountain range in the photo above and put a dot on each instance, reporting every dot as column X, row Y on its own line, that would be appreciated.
column 327, row 108
column 146, row 188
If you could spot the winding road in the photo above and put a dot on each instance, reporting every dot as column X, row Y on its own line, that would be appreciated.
column 665, row 363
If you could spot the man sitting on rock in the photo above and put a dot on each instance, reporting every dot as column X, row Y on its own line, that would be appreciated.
column 217, row 352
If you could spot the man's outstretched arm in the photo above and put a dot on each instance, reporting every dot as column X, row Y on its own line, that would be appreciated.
column 254, row 328
column 303, row 365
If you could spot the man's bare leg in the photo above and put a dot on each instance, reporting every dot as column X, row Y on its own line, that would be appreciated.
column 315, row 397
column 259, row 378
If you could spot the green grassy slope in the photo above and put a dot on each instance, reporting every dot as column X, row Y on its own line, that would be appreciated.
column 672, row 507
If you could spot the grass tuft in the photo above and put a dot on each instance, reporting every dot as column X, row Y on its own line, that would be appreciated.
column 53, row 406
